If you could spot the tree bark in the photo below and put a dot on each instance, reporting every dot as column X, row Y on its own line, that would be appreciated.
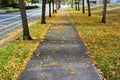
column 26, row 35
column 56, row 5
column 50, row 8
column 104, row 12
column 43, row 19
column 53, row 5
column 78, row 5
column 83, row 6
column 89, row 12
column 72, row 4
column 59, row 4
column 75, row 4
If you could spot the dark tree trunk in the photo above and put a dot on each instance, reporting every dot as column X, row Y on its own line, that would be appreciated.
column 53, row 6
column 56, row 5
column 89, row 12
column 78, row 5
column 104, row 12
column 50, row 8
column 59, row 4
column 26, row 35
column 75, row 4
column 83, row 6
column 43, row 20
column 72, row 4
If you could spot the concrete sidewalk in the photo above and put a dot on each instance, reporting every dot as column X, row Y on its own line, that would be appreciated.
column 60, row 56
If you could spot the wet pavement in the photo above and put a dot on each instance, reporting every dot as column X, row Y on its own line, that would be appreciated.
column 60, row 56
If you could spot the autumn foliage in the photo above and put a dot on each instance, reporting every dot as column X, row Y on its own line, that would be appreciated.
column 101, row 40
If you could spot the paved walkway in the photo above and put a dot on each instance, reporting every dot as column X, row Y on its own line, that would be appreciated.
column 61, row 56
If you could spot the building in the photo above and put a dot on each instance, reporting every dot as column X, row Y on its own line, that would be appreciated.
column 96, row 1
column 102, row 1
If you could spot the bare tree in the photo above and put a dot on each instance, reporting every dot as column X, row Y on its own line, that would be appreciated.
column 26, row 35
column 43, row 20
column 104, row 12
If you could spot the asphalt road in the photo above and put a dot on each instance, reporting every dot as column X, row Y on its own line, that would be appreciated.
column 10, row 21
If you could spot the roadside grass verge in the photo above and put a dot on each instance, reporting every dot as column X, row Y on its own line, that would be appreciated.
column 16, row 9
column 11, row 9
column 15, row 54
column 102, row 40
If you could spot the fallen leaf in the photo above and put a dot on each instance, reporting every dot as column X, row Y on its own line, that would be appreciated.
column 73, row 73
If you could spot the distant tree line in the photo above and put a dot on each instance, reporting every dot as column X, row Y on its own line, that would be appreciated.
column 14, row 3
column 77, row 7
column 7, row 3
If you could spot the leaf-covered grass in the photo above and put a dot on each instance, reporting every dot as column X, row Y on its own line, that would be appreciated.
column 15, row 54
column 99, row 7
column 102, row 40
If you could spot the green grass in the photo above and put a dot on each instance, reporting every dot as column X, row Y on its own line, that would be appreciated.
column 15, row 54
column 102, row 40
column 10, row 9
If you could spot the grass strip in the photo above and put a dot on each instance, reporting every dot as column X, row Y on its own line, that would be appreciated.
column 10, row 9
column 101, row 40
column 15, row 54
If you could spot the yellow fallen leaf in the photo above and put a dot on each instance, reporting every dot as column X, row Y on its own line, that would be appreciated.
column 73, row 73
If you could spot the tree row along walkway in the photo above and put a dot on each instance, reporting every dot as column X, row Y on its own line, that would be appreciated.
column 60, row 56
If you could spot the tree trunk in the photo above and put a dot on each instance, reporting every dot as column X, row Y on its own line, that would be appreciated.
column 78, row 5
column 72, row 4
column 83, row 6
column 104, row 12
column 59, row 4
column 56, row 5
column 50, row 8
column 75, row 4
column 53, row 5
column 26, row 35
column 43, row 20
column 89, row 12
